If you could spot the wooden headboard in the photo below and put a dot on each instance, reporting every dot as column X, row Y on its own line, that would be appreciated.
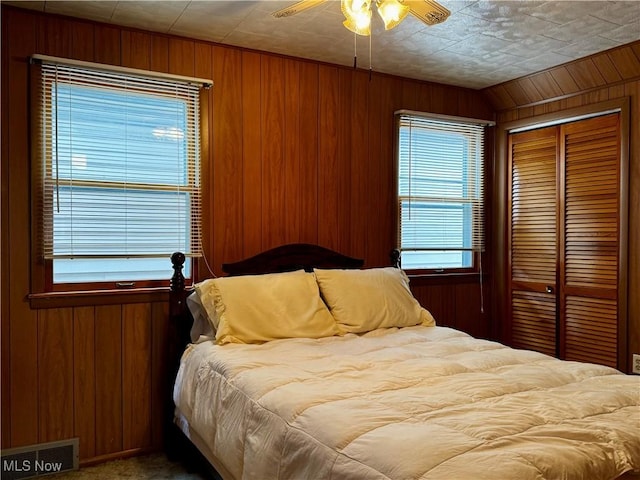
column 280, row 259
column 285, row 258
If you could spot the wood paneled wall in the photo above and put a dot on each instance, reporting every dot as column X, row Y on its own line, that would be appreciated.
column 297, row 151
column 603, row 70
column 460, row 304
column 99, row 371
column 618, row 75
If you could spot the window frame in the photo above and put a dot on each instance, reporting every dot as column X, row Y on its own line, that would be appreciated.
column 476, row 255
column 44, row 292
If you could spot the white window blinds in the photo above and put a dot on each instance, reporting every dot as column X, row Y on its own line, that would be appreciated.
column 120, row 164
column 440, row 191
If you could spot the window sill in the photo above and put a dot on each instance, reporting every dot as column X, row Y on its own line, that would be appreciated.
column 97, row 297
column 445, row 278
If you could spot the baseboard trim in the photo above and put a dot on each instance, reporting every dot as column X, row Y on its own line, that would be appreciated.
column 134, row 452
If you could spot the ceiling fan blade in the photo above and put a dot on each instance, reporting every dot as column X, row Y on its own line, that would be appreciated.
column 428, row 11
column 297, row 8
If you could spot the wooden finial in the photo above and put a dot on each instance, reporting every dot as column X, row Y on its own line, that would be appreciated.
column 177, row 280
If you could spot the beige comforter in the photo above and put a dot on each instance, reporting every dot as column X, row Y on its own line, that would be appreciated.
column 411, row 403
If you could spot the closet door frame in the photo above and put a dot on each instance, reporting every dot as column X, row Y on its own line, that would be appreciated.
column 501, row 195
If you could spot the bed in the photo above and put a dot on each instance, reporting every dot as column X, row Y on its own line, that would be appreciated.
column 376, row 390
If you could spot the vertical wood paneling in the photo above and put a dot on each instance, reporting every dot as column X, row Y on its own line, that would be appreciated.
column 423, row 97
column 203, row 61
column 468, row 315
column 55, row 374
column 54, row 36
column 107, row 44
column 82, row 42
column 439, row 300
column 159, row 53
column 181, row 56
column 108, row 374
column 294, row 183
column 455, row 305
column 309, row 134
column 136, row 375
column 359, row 184
column 227, row 150
column 409, row 95
column 160, row 390
column 438, row 100
column 136, row 50
column 204, row 69
column 342, row 173
column 328, row 157
column 272, row 126
column 633, row 91
column 384, row 164
column 373, row 212
column 84, row 381
column 24, row 326
column 251, row 102
column 5, row 359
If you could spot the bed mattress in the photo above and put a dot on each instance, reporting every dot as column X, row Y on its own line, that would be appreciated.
column 411, row 403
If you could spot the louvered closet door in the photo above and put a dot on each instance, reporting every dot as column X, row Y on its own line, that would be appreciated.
column 589, row 279
column 533, row 234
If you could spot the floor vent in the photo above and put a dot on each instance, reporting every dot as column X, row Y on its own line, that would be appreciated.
column 38, row 460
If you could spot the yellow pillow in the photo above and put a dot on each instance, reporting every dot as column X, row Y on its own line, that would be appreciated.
column 259, row 308
column 363, row 300
column 206, row 320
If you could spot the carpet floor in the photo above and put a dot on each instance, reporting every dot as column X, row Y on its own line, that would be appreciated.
column 148, row 467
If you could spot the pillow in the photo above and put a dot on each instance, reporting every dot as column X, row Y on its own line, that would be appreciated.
column 364, row 300
column 259, row 308
column 202, row 324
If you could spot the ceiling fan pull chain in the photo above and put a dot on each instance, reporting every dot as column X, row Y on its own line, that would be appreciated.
column 355, row 51
column 370, row 67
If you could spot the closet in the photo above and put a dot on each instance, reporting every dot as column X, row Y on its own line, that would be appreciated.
column 566, row 258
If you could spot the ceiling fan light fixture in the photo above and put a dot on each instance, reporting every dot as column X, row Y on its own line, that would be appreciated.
column 358, row 16
column 392, row 12
column 365, row 30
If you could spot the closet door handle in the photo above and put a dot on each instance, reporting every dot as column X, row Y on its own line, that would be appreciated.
column 549, row 289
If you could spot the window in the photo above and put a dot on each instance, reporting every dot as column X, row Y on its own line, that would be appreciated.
column 440, row 192
column 120, row 174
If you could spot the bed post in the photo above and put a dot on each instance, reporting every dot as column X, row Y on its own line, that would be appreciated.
column 394, row 256
column 177, row 294
column 179, row 328
column 176, row 445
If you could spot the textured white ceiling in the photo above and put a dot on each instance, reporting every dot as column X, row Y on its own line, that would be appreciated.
column 483, row 42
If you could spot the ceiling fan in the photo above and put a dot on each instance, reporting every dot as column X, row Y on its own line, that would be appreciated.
column 358, row 12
